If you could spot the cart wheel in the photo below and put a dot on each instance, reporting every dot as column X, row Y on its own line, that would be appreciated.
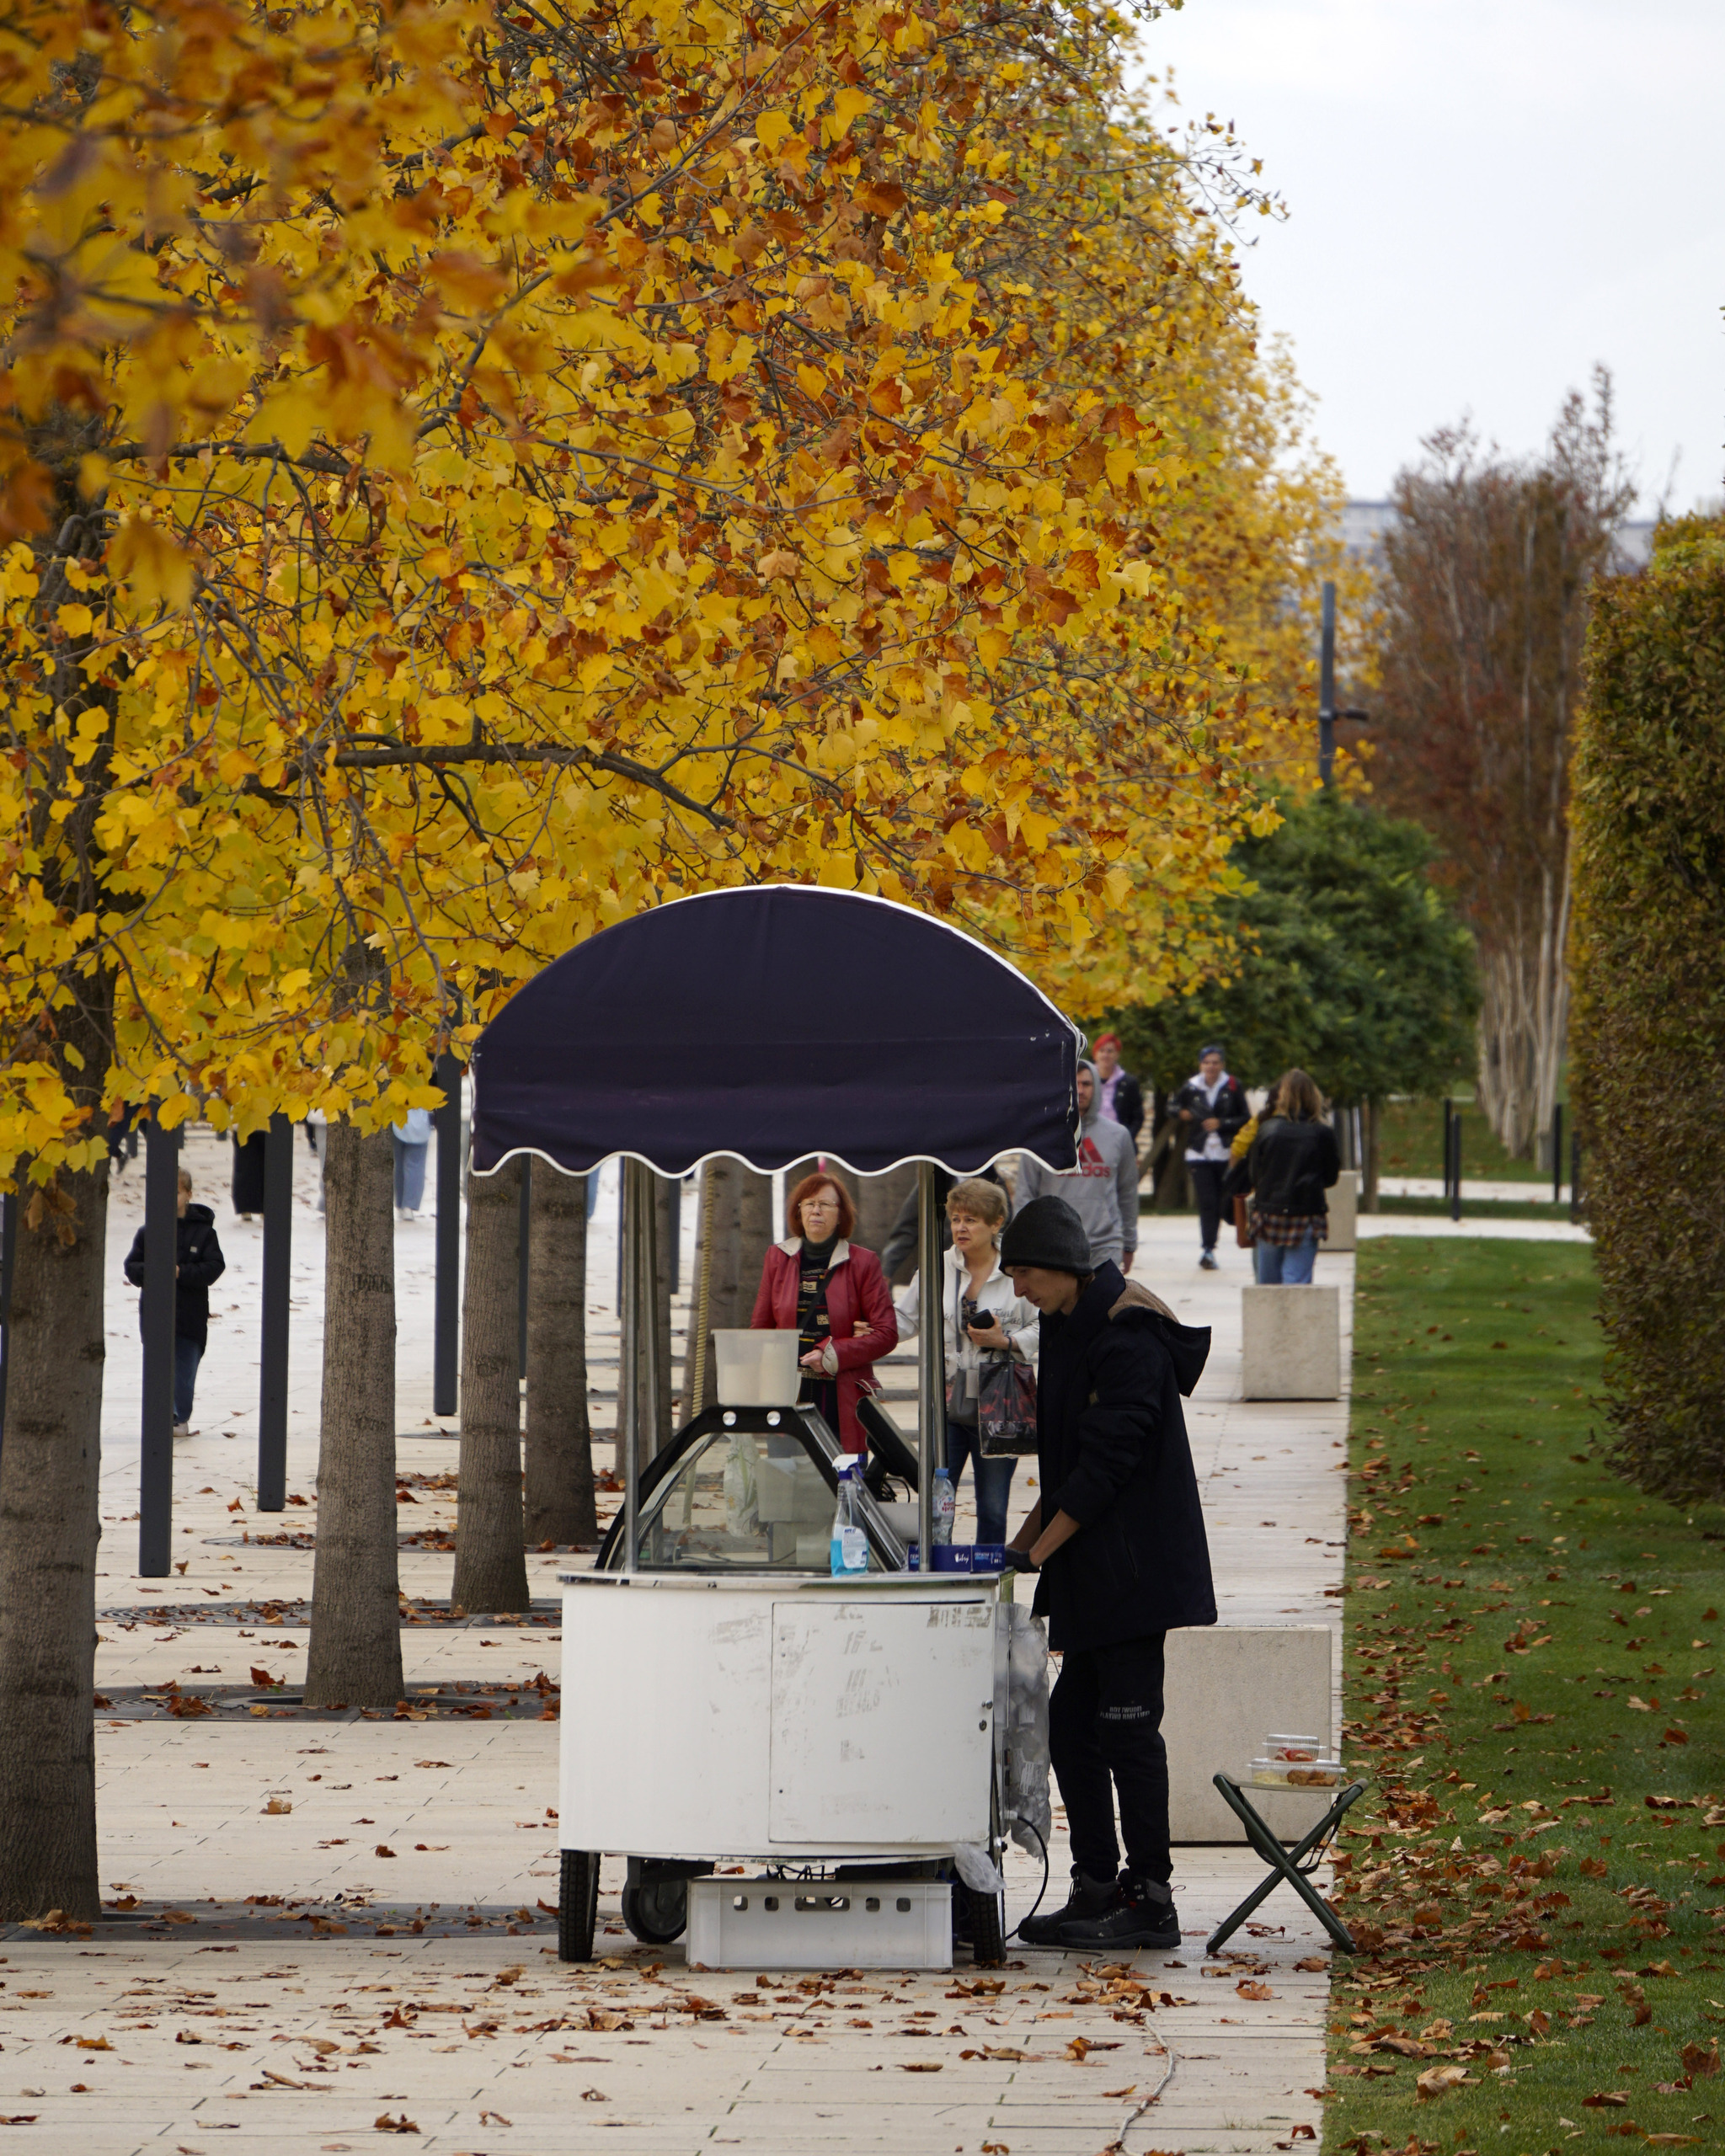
column 986, row 1916
column 656, row 1909
column 577, row 1905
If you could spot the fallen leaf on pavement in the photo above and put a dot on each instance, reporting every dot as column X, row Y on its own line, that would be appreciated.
column 1251, row 1989
column 384, row 2124
column 921, row 2066
column 1313, row 1963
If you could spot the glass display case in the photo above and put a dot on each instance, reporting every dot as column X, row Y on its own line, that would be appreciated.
column 749, row 1490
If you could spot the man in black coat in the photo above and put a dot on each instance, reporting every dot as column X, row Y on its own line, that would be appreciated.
column 1211, row 1107
column 1118, row 1536
column 198, row 1263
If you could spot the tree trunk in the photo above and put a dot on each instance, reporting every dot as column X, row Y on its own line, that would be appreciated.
column 490, row 1570
column 1524, row 1022
column 355, row 1655
column 50, row 1524
column 559, row 1487
column 878, row 1198
column 736, row 1226
column 1369, row 1180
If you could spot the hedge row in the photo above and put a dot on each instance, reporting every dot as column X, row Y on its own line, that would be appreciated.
column 1647, row 1039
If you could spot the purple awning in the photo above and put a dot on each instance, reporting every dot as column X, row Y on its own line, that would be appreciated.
column 771, row 1022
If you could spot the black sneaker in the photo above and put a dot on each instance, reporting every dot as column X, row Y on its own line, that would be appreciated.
column 1207, row 1263
column 1141, row 1913
column 1088, row 1899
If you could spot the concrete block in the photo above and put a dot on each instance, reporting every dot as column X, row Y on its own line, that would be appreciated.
column 1344, row 1209
column 1291, row 1343
column 1226, row 1688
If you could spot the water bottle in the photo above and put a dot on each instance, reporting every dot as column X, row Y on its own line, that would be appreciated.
column 946, row 1503
column 850, row 1539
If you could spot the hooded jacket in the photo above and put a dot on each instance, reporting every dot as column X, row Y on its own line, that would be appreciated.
column 198, row 1255
column 1113, row 1454
column 1101, row 1190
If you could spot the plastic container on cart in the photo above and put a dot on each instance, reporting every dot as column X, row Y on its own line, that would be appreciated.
column 755, row 1366
column 1291, row 1773
column 946, row 1506
column 949, row 1557
column 1297, row 1748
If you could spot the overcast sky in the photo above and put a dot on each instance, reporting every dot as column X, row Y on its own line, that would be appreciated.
column 1486, row 197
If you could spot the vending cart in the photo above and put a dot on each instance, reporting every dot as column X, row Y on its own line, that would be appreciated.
column 803, row 1769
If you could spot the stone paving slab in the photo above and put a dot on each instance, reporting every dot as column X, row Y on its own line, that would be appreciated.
column 185, row 1829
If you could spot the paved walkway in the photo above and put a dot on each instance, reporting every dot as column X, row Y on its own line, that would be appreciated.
column 290, row 1954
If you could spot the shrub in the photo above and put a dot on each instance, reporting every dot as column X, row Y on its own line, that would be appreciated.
column 1647, row 1043
column 1350, row 963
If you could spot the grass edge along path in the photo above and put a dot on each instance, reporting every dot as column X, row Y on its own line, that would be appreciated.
column 1537, row 1872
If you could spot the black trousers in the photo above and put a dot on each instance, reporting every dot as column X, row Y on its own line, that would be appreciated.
column 1207, row 1187
column 1105, row 1735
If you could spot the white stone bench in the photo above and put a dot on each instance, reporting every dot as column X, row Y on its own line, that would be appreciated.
column 1342, row 1233
column 1290, row 1343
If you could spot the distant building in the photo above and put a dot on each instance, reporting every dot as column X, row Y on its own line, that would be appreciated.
column 1364, row 525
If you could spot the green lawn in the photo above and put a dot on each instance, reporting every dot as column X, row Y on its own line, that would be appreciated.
column 1411, row 1143
column 1538, row 1870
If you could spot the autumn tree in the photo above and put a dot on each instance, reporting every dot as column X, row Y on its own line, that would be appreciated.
column 1484, row 597
column 465, row 477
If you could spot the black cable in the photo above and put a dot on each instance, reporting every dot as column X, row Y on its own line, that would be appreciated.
column 1037, row 1903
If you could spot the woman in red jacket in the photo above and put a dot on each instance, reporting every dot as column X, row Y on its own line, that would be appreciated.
column 836, row 1295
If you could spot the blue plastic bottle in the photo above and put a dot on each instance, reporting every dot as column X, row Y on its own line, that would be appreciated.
column 850, row 1539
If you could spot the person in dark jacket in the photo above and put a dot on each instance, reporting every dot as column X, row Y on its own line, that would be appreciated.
column 1119, row 1094
column 1209, row 1107
column 248, row 1158
column 1293, row 1162
column 198, row 1263
column 901, row 1243
column 1118, row 1536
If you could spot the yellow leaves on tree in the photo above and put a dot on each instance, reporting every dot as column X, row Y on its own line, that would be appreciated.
column 472, row 474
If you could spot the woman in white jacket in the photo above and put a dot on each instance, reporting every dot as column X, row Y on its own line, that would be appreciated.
column 983, row 1317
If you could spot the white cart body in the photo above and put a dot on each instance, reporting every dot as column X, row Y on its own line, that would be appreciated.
column 783, row 1720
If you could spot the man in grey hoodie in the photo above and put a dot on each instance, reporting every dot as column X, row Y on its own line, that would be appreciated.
column 1101, row 1190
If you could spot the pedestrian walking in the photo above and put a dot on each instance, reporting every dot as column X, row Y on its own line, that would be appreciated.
column 1210, row 1106
column 983, row 1319
column 1120, row 1097
column 1117, row 1534
column 1294, row 1161
column 833, row 1292
column 1101, row 1190
column 412, row 1138
column 198, row 1263
column 248, row 1173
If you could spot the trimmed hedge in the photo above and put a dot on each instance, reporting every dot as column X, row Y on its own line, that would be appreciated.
column 1647, row 1036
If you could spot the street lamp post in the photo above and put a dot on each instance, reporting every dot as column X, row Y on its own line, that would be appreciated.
column 1327, row 713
